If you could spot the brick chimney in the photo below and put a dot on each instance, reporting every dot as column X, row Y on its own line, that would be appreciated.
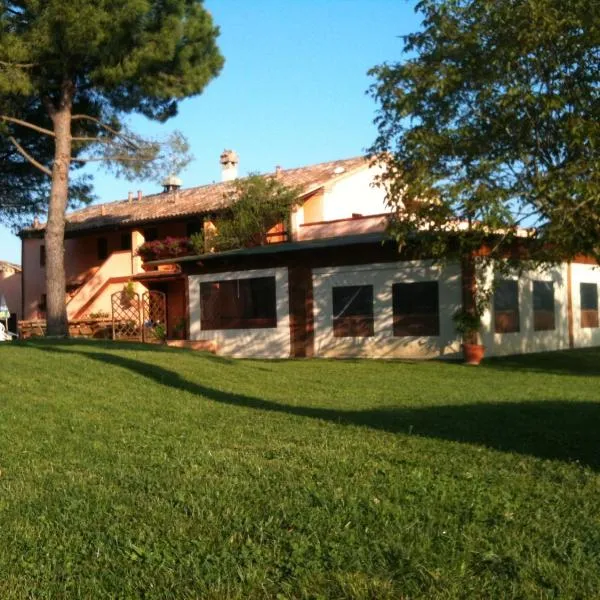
column 229, row 165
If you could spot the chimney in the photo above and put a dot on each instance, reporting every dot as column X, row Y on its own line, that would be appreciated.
column 277, row 170
column 171, row 183
column 229, row 165
column 130, row 197
column 36, row 222
column 139, row 195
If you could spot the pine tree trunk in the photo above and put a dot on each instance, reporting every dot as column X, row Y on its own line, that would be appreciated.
column 469, row 293
column 57, row 323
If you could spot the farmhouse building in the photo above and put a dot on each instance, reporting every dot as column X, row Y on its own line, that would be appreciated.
column 330, row 285
column 10, row 288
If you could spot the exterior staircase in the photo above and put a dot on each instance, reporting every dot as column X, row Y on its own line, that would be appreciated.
column 116, row 268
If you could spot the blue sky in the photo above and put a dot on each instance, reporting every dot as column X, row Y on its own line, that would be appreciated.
column 292, row 91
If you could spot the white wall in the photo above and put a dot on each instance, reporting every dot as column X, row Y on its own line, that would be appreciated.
column 354, row 194
column 583, row 274
column 526, row 339
column 260, row 343
column 383, row 344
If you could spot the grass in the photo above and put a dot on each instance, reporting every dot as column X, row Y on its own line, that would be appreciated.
column 136, row 472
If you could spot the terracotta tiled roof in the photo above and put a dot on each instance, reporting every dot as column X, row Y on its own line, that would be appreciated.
column 199, row 200
column 7, row 266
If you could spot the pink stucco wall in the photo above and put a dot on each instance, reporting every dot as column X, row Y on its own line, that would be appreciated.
column 10, row 288
column 82, row 265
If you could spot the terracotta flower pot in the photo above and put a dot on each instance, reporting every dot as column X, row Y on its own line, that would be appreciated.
column 473, row 353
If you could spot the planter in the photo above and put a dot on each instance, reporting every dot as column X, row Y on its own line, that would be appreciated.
column 473, row 353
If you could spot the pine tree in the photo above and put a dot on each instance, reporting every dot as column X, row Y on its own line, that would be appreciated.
column 72, row 71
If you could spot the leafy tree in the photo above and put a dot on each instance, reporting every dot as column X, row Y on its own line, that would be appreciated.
column 71, row 72
column 490, row 123
column 259, row 203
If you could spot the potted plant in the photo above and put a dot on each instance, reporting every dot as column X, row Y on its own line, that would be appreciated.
column 180, row 329
column 468, row 324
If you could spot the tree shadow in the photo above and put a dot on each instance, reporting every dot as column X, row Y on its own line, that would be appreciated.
column 581, row 362
column 556, row 430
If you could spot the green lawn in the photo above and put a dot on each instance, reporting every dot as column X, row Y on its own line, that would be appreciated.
column 138, row 472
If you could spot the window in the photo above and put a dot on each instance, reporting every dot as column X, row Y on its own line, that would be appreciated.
column 238, row 304
column 151, row 234
column 102, row 245
column 193, row 227
column 126, row 241
column 543, row 306
column 353, row 311
column 416, row 308
column 506, row 306
column 42, row 256
column 588, row 293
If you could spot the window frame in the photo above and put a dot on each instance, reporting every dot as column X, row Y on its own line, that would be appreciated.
column 508, row 323
column 588, row 317
column 413, row 323
column 356, row 324
column 541, row 320
column 223, row 322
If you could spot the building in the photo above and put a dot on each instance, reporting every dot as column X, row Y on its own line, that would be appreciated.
column 334, row 285
column 101, row 240
column 10, row 288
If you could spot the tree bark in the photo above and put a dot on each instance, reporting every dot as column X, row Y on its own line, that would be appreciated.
column 469, row 293
column 57, row 322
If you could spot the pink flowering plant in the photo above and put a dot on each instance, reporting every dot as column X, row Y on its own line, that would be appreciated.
column 170, row 247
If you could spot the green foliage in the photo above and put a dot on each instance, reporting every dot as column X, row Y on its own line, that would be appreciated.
column 467, row 324
column 493, row 119
column 102, row 59
column 137, row 471
column 198, row 243
column 159, row 332
column 259, row 204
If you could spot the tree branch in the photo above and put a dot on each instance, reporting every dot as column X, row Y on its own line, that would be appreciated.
column 30, row 158
column 116, row 133
column 27, row 124
column 112, row 158
column 18, row 65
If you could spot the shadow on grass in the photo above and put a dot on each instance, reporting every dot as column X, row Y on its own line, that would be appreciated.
column 560, row 430
column 584, row 362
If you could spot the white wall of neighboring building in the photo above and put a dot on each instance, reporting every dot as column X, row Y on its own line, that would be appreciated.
column 354, row 194
column 527, row 339
column 581, row 273
column 260, row 343
column 383, row 344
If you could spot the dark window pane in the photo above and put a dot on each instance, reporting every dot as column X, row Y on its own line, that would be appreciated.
column 238, row 304
column 126, row 241
column 42, row 256
column 193, row 227
column 589, row 304
column 102, row 248
column 150, row 234
column 353, row 311
column 543, row 306
column 506, row 306
column 416, row 308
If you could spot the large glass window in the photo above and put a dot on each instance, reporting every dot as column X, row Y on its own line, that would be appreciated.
column 416, row 308
column 543, row 306
column 238, row 304
column 352, row 311
column 588, row 293
column 506, row 306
